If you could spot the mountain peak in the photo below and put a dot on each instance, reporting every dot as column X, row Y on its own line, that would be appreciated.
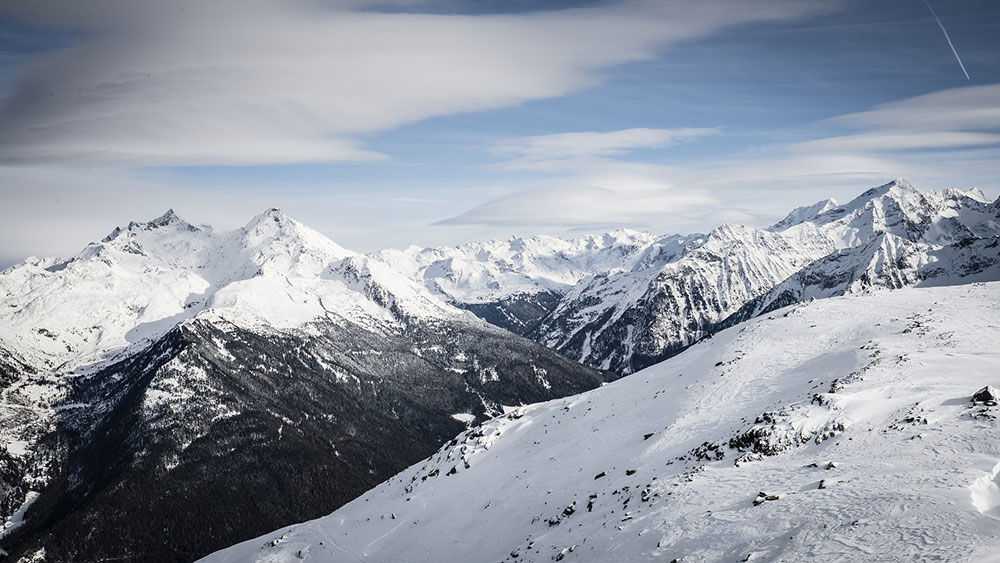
column 169, row 218
column 165, row 219
column 899, row 189
column 974, row 194
column 271, row 215
column 898, row 186
column 805, row 213
column 283, row 240
column 902, row 184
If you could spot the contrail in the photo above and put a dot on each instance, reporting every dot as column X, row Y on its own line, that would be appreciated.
column 945, row 31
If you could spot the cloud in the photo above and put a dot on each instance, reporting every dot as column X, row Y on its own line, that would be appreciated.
column 972, row 108
column 575, row 205
column 189, row 82
column 609, row 192
column 868, row 142
column 953, row 118
column 543, row 152
column 951, row 129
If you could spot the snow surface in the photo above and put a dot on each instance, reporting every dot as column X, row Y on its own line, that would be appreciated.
column 465, row 417
column 17, row 518
column 835, row 430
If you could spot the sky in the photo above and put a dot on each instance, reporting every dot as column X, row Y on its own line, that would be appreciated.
column 398, row 122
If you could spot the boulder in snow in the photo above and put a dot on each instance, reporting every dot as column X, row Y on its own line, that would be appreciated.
column 988, row 394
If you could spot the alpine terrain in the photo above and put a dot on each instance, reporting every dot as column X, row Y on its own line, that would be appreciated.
column 523, row 323
column 857, row 428
column 626, row 300
column 172, row 389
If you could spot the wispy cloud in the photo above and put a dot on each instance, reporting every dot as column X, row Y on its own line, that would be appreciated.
column 972, row 108
column 571, row 204
column 866, row 142
column 262, row 81
column 608, row 192
column 546, row 152
column 953, row 130
column 954, row 118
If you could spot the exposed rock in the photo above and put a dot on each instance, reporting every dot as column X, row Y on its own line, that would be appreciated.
column 988, row 395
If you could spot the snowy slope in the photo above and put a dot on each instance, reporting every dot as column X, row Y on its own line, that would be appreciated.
column 891, row 236
column 619, row 321
column 836, row 430
column 625, row 300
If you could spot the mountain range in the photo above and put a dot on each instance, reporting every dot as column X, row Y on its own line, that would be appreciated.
column 176, row 382
column 626, row 300
column 174, row 389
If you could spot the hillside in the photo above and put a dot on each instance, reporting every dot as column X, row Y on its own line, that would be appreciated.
column 838, row 429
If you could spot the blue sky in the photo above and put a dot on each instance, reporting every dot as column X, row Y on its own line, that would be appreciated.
column 398, row 122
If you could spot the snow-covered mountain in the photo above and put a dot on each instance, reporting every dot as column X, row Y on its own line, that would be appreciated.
column 266, row 375
column 142, row 280
column 845, row 429
column 891, row 236
column 171, row 366
column 632, row 300
column 513, row 283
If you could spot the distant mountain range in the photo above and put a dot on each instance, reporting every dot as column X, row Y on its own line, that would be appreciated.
column 626, row 300
column 174, row 381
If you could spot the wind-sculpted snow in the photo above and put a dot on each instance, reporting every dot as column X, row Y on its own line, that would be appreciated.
column 838, row 430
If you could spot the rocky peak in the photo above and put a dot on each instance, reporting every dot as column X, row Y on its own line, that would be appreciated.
column 168, row 219
column 805, row 213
